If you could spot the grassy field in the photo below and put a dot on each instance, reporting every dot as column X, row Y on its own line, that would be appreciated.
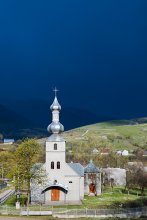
column 115, row 199
column 109, row 199
column 113, row 136
column 7, row 147
column 116, row 134
column 130, row 135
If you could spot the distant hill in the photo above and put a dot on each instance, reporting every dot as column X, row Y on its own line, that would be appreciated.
column 10, row 119
column 91, row 141
column 39, row 112
column 74, row 117
column 37, row 116
column 30, row 118
column 116, row 135
column 11, row 122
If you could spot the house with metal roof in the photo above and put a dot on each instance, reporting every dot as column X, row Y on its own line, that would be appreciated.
column 8, row 141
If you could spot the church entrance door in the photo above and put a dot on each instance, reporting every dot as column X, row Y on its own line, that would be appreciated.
column 92, row 188
column 55, row 195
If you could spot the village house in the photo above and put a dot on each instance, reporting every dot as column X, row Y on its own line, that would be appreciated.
column 122, row 152
column 8, row 141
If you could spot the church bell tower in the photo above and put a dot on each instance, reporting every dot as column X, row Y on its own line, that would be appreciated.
column 55, row 144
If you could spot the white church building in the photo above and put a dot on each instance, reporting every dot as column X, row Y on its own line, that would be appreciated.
column 65, row 181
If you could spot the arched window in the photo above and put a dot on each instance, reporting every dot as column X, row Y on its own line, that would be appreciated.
column 55, row 146
column 58, row 165
column 52, row 165
column 55, row 182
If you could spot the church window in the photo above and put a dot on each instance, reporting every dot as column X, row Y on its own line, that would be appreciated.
column 52, row 165
column 55, row 146
column 58, row 165
column 55, row 182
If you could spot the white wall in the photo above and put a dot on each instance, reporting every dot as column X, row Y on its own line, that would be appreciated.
column 65, row 175
column 119, row 175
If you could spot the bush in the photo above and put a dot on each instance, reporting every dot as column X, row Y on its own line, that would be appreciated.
column 12, row 200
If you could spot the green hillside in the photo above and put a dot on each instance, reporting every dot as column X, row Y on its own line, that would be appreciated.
column 130, row 135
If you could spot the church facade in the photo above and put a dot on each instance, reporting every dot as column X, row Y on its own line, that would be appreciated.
column 65, row 181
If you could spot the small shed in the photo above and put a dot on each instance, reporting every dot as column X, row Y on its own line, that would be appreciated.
column 92, row 179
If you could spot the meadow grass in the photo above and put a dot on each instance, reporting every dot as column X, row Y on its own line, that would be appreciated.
column 108, row 199
column 119, row 135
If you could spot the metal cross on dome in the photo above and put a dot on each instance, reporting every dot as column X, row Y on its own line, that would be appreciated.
column 55, row 90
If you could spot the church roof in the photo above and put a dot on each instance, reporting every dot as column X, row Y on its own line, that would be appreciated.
column 55, row 105
column 55, row 137
column 91, row 168
column 78, row 168
column 55, row 127
column 55, row 186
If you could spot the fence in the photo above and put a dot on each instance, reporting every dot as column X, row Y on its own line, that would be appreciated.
column 120, row 213
column 74, row 213
column 8, row 210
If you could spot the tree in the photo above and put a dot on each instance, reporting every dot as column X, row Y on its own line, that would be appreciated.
column 27, row 154
column 141, row 177
column 111, row 183
column 7, row 164
column 136, row 177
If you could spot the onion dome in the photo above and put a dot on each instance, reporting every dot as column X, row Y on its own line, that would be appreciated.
column 55, row 105
column 55, row 128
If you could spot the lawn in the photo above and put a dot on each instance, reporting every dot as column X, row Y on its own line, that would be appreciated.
column 116, row 199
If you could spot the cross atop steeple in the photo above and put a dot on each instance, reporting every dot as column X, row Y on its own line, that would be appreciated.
column 55, row 127
column 55, row 90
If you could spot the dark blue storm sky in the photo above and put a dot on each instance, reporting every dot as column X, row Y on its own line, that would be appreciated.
column 93, row 51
